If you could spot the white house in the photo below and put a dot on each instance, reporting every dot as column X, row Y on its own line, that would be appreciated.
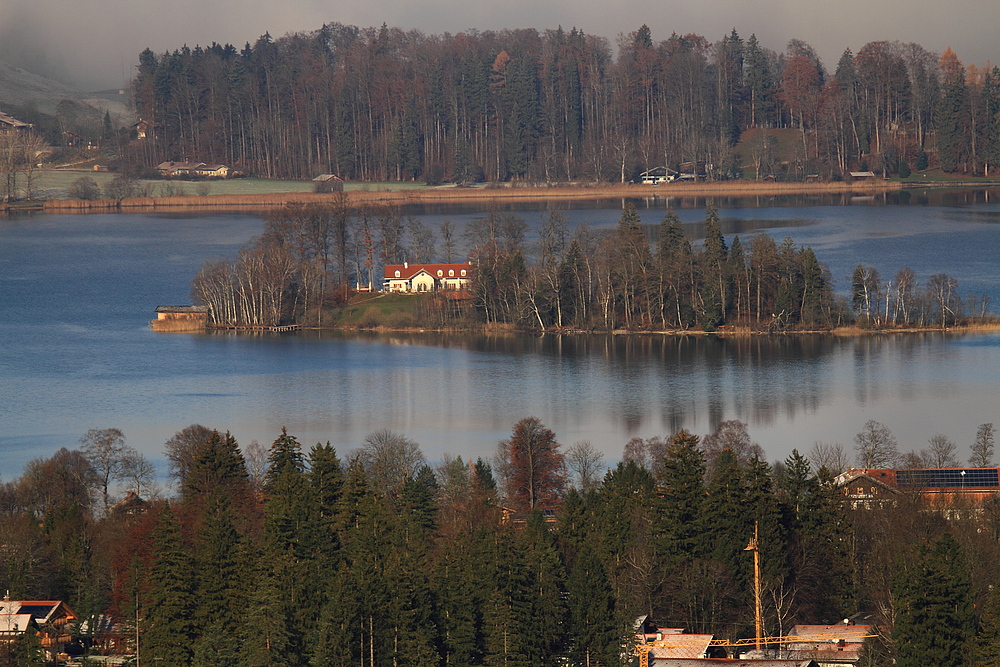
column 408, row 277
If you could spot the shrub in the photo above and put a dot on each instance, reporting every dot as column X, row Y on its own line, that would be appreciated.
column 371, row 318
column 904, row 170
column 120, row 187
column 84, row 188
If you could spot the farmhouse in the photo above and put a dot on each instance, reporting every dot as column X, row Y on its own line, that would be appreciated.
column 213, row 171
column 142, row 129
column 658, row 175
column 50, row 619
column 408, row 277
column 11, row 124
column 171, row 169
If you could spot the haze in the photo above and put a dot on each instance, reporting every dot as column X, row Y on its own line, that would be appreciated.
column 95, row 44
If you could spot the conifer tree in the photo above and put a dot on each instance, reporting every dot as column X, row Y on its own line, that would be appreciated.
column 594, row 640
column 934, row 615
column 725, row 526
column 507, row 613
column 220, row 596
column 545, row 578
column 762, row 505
column 681, row 492
column 219, row 463
column 987, row 641
column 462, row 581
column 326, row 484
column 169, row 630
column 714, row 256
column 820, row 551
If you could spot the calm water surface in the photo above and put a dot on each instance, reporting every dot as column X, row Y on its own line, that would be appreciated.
column 76, row 293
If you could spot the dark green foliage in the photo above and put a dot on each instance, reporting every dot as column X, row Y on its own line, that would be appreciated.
column 326, row 482
column 218, row 464
column 715, row 290
column 169, row 629
column 285, row 457
column 591, row 613
column 934, row 622
column 338, row 572
column 988, row 637
column 681, row 493
column 417, row 501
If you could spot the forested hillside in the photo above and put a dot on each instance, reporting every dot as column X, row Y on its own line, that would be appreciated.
column 385, row 104
column 293, row 557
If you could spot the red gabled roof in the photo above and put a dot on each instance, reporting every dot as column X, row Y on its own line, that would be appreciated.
column 407, row 271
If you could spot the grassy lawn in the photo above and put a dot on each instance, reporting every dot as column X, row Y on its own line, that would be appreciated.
column 386, row 308
column 938, row 176
column 54, row 184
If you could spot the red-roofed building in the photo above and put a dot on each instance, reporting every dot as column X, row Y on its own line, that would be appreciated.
column 408, row 277
column 950, row 490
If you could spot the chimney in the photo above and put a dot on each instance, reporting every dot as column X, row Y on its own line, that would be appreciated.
column 406, row 265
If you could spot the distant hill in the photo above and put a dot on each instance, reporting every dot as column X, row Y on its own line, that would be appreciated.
column 19, row 87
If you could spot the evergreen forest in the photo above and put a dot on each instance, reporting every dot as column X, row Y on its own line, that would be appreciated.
column 377, row 104
column 296, row 556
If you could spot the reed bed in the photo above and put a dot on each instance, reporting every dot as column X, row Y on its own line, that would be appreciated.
column 512, row 193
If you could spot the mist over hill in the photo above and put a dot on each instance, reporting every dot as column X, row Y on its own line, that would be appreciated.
column 21, row 88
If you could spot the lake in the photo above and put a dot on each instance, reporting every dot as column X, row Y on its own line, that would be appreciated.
column 77, row 291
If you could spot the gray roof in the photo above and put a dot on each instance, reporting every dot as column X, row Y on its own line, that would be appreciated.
column 182, row 309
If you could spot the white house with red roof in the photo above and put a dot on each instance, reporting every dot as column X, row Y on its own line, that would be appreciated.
column 415, row 278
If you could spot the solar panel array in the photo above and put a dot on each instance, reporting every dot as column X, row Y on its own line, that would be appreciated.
column 948, row 478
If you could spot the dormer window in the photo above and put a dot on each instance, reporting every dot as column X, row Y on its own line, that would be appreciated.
column 463, row 273
column 440, row 273
column 397, row 273
column 451, row 273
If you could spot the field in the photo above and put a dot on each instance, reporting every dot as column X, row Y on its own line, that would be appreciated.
column 55, row 184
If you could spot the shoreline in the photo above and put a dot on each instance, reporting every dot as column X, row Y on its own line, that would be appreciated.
column 512, row 193
column 734, row 332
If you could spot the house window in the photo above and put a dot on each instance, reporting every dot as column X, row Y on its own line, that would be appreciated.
column 440, row 273
column 451, row 273
column 397, row 274
column 463, row 273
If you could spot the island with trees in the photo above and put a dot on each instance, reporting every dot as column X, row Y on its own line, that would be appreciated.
column 305, row 268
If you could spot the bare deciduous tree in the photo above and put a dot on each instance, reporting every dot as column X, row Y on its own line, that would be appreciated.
column 255, row 455
column 941, row 452
column 828, row 455
column 731, row 434
column 587, row 462
column 105, row 448
column 983, row 447
column 137, row 474
column 182, row 449
column 389, row 459
column 876, row 446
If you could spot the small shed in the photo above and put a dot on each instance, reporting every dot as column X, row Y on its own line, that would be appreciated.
column 328, row 183
column 180, row 318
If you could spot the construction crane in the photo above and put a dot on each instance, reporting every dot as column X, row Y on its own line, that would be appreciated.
column 758, row 615
column 758, row 640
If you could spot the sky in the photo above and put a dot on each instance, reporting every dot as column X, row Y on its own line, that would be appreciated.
column 94, row 44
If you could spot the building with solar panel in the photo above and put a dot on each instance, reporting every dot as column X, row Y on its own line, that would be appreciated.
column 949, row 489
